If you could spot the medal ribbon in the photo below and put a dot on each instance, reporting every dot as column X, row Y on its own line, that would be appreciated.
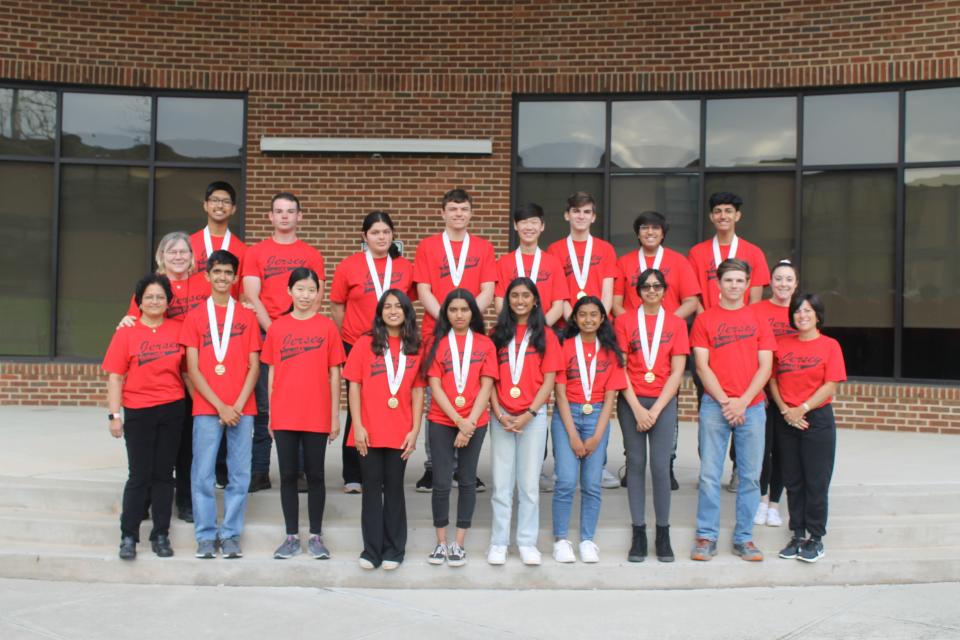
column 208, row 241
column 456, row 267
column 580, row 274
column 395, row 377
column 650, row 350
column 534, row 270
column 716, row 250
column 379, row 287
column 516, row 359
column 220, row 342
column 461, row 368
column 586, row 380
column 656, row 260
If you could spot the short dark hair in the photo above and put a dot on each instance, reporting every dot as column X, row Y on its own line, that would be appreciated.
column 732, row 264
column 656, row 273
column 220, row 185
column 222, row 256
column 650, row 218
column 526, row 211
column 725, row 197
column 578, row 199
column 149, row 279
column 285, row 195
column 815, row 302
column 455, row 195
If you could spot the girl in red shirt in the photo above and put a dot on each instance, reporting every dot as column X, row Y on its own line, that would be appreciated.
column 806, row 371
column 461, row 368
column 386, row 396
column 144, row 362
column 304, row 352
column 529, row 358
column 586, row 390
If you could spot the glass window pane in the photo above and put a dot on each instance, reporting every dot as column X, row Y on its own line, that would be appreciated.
column 853, row 128
column 931, row 293
column 561, row 134
column 99, row 125
column 28, row 122
column 751, row 132
column 103, row 226
column 655, row 133
column 25, row 283
column 199, row 129
column 550, row 191
column 674, row 195
column 180, row 199
column 848, row 259
column 768, row 206
column 933, row 129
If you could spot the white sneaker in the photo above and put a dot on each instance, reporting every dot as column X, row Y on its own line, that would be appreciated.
column 530, row 556
column 773, row 517
column 497, row 554
column 365, row 564
column 563, row 551
column 761, row 516
column 589, row 552
column 609, row 481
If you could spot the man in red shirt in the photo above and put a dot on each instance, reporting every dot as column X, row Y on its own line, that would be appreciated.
column 220, row 204
column 266, row 268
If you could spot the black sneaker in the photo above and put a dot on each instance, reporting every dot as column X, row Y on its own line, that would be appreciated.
column 302, row 486
column 480, row 486
column 792, row 550
column 425, row 483
column 185, row 513
column 811, row 550
column 161, row 546
column 638, row 547
column 259, row 481
column 221, row 481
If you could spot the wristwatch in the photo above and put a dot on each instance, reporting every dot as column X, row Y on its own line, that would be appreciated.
column 113, row 416
column 532, row 412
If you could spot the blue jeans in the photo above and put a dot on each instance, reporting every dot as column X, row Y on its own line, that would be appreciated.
column 207, row 432
column 517, row 460
column 748, row 439
column 569, row 467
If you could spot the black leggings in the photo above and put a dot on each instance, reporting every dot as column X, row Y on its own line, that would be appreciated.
column 446, row 458
column 806, row 459
column 288, row 457
column 383, row 513
column 771, row 478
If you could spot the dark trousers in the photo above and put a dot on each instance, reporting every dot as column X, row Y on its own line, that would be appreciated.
column 352, row 469
column 314, row 445
column 806, row 461
column 260, row 458
column 185, row 456
column 446, row 459
column 383, row 513
column 152, row 437
column 771, row 478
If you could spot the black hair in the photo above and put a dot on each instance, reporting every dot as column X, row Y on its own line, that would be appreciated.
column 732, row 264
column 529, row 210
column 725, row 197
column 656, row 273
column 442, row 327
column 285, row 195
column 380, row 216
column 506, row 328
column 149, row 279
column 605, row 335
column 653, row 219
column 298, row 274
column 580, row 198
column 455, row 195
column 815, row 302
column 222, row 256
column 220, row 185
column 409, row 335
column 785, row 262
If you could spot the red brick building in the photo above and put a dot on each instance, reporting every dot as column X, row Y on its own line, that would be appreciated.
column 473, row 70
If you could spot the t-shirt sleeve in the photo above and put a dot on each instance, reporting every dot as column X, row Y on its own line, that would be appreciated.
column 189, row 337
column 340, row 286
column 681, row 341
column 421, row 266
column 251, row 265
column 610, row 263
column 490, row 367
column 689, row 286
column 253, row 334
column 435, row 370
column 502, row 282
column 619, row 285
column 836, row 370
column 133, row 309
column 266, row 354
column 617, row 379
column 767, row 341
column 335, row 353
column 620, row 331
column 488, row 264
column 699, row 336
column 356, row 361
column 761, row 272
column 317, row 264
column 117, row 358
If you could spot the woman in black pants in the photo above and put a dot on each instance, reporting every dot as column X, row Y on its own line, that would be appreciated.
column 806, row 372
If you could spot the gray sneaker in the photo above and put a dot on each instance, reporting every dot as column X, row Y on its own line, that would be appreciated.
column 439, row 555
column 456, row 555
column 230, row 548
column 206, row 549
column 317, row 549
column 289, row 548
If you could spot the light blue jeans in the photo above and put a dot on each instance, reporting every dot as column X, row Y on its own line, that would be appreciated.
column 569, row 468
column 207, row 432
column 714, row 435
column 517, row 461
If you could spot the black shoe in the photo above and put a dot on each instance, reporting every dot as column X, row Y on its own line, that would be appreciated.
column 623, row 476
column 811, row 550
column 480, row 486
column 425, row 483
column 259, row 481
column 185, row 513
column 792, row 550
column 128, row 548
column 662, row 543
column 674, row 485
column 638, row 547
column 161, row 546
column 302, row 483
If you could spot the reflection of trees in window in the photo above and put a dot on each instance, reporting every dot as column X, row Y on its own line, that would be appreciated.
column 28, row 121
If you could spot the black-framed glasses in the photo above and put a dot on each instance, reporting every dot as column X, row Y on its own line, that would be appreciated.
column 651, row 287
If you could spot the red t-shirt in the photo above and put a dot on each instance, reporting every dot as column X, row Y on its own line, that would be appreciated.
column 535, row 369
column 244, row 340
column 603, row 264
column 237, row 248
column 551, row 280
column 802, row 367
column 151, row 359
column 272, row 263
column 610, row 375
column 673, row 342
column 701, row 259
column 353, row 288
column 681, row 281
column 430, row 267
column 734, row 338
column 301, row 353
column 776, row 317
column 482, row 363
column 386, row 427
column 187, row 294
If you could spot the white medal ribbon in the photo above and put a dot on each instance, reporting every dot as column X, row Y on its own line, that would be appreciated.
column 580, row 274
column 378, row 286
column 461, row 368
column 656, row 260
column 716, row 250
column 208, row 241
column 516, row 359
column 218, row 341
column 456, row 267
column 586, row 380
column 395, row 377
column 534, row 270
column 650, row 350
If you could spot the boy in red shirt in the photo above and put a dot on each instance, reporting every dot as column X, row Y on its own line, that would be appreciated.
column 220, row 204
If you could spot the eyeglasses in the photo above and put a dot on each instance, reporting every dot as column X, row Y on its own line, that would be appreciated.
column 224, row 201
column 157, row 297
column 651, row 287
column 177, row 252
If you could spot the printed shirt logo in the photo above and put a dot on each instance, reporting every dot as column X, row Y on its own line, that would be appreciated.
column 379, row 366
column 239, row 328
column 395, row 279
column 446, row 363
column 543, row 275
column 292, row 345
column 792, row 362
column 634, row 344
column 503, row 357
column 277, row 266
column 573, row 369
column 781, row 328
column 568, row 266
column 472, row 263
column 151, row 351
column 730, row 333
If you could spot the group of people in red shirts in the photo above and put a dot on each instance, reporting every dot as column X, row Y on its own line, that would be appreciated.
column 224, row 351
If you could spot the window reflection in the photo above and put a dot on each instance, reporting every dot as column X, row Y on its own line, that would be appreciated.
column 932, row 127
column 28, row 122
column 98, row 125
column 180, row 199
column 550, row 191
column 199, row 129
column 561, row 134
column 768, row 205
column 655, row 133
column 853, row 128
column 752, row 131
column 673, row 195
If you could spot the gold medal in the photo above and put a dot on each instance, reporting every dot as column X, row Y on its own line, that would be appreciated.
column 581, row 294
column 460, row 401
column 393, row 403
column 587, row 409
column 649, row 378
column 220, row 369
column 514, row 392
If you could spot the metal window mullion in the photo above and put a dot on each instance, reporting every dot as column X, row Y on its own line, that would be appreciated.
column 899, row 241
column 702, row 170
column 798, row 192
column 607, row 201
column 151, row 183
column 55, row 230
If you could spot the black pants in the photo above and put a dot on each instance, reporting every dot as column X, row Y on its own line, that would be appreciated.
column 383, row 514
column 152, row 436
column 314, row 447
column 771, row 478
column 446, row 458
column 352, row 470
column 185, row 456
column 806, row 460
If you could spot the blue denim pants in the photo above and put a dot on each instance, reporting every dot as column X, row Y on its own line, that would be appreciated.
column 207, row 432
column 569, row 468
column 517, row 461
